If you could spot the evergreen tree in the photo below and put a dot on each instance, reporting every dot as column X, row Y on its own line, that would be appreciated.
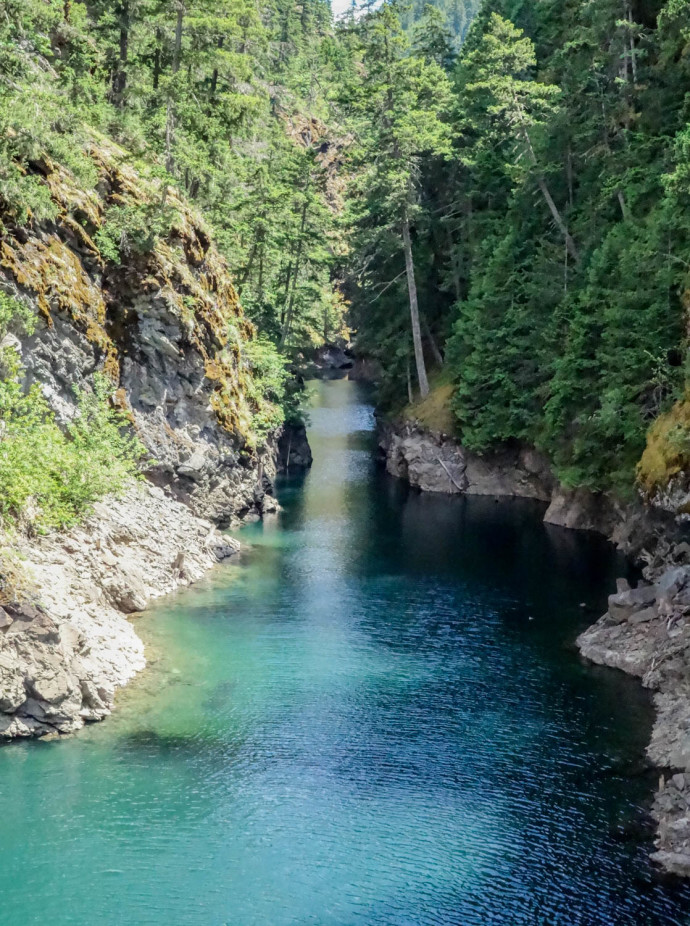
column 401, row 104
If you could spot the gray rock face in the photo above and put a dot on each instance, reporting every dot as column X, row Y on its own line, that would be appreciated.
column 63, row 658
column 646, row 633
column 580, row 509
column 294, row 452
column 439, row 463
column 166, row 328
column 169, row 397
column 624, row 604
column 436, row 463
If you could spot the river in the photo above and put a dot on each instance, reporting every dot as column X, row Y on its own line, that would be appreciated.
column 378, row 717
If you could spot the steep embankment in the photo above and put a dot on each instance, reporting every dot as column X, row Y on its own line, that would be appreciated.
column 153, row 312
column 646, row 631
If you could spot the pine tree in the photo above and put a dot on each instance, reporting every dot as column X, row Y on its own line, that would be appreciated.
column 401, row 104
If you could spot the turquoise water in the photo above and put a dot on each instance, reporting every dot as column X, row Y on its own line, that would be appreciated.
column 377, row 718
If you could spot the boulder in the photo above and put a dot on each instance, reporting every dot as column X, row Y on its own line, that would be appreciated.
column 672, row 581
column 623, row 605
column 645, row 615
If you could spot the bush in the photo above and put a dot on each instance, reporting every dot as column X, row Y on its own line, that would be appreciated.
column 51, row 477
column 266, row 388
column 133, row 229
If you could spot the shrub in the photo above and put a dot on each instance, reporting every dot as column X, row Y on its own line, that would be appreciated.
column 133, row 228
column 266, row 388
column 49, row 476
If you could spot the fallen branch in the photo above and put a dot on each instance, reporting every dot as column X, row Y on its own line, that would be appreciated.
column 450, row 475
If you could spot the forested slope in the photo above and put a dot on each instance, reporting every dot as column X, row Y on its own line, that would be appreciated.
column 513, row 208
column 159, row 162
column 550, row 234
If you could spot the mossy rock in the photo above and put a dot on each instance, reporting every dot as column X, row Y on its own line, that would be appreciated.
column 668, row 449
column 435, row 412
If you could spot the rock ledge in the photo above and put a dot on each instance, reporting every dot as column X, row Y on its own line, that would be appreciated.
column 646, row 633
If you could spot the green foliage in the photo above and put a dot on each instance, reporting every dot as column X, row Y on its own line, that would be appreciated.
column 51, row 476
column 133, row 228
column 535, row 177
column 226, row 100
column 15, row 317
column 552, row 246
column 268, row 386
column 457, row 15
column 399, row 102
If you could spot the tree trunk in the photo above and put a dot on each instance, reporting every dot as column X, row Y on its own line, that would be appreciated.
column 261, row 273
column 541, row 181
column 177, row 52
column 170, row 117
column 214, row 78
column 633, row 55
column 414, row 310
column 438, row 356
column 626, row 65
column 455, row 269
column 295, row 274
column 169, row 136
column 67, row 10
column 157, row 60
column 244, row 276
column 569, row 243
column 120, row 76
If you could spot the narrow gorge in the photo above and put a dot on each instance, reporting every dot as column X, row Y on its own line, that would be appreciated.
column 345, row 462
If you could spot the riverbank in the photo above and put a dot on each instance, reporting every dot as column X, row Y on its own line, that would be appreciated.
column 67, row 643
column 646, row 631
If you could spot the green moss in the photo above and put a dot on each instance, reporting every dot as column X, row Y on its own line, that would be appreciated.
column 435, row 411
column 668, row 448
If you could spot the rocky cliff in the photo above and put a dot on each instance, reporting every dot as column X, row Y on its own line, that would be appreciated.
column 646, row 633
column 162, row 321
column 433, row 461
column 158, row 317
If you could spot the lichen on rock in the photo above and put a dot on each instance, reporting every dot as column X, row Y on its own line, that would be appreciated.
column 163, row 321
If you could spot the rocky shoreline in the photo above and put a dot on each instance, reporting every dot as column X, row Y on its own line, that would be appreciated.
column 646, row 631
column 67, row 645
column 435, row 462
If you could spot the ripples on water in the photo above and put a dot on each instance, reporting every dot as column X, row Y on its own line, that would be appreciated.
column 378, row 718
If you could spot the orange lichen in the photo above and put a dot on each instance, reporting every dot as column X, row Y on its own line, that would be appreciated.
column 183, row 268
column 54, row 274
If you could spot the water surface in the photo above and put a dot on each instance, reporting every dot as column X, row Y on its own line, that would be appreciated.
column 377, row 719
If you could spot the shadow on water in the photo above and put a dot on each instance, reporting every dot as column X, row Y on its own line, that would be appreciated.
column 378, row 718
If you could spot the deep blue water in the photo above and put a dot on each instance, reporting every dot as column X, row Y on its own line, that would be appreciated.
column 377, row 718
